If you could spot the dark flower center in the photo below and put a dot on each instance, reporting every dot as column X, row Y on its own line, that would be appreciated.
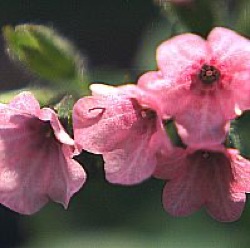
column 206, row 154
column 148, row 114
column 46, row 130
column 209, row 74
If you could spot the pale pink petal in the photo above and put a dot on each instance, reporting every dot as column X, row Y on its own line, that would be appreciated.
column 34, row 166
column 101, row 123
column 22, row 159
column 226, row 208
column 202, row 125
column 223, row 203
column 135, row 159
column 25, row 102
column 229, row 49
column 102, row 89
column 65, row 176
column 145, row 98
column 153, row 81
column 171, row 98
column 50, row 116
column 178, row 57
column 209, row 179
column 231, row 52
column 187, row 193
column 241, row 172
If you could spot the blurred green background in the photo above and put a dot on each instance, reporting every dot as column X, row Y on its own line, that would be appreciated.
column 117, row 41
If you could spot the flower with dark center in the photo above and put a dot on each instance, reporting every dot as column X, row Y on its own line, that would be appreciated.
column 201, row 84
column 209, row 74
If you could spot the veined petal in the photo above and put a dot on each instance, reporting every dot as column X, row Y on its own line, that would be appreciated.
column 208, row 178
column 135, row 159
column 224, row 202
column 65, row 175
column 185, row 194
column 241, row 172
column 202, row 125
column 101, row 123
column 165, row 93
column 50, row 116
column 229, row 49
column 178, row 57
column 22, row 159
column 226, row 207
column 34, row 165
column 170, row 163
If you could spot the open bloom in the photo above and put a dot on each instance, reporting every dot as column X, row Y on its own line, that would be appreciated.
column 202, row 84
column 217, row 180
column 35, row 157
column 119, row 124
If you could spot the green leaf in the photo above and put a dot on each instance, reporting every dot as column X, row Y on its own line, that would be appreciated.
column 243, row 18
column 199, row 16
column 173, row 133
column 239, row 134
column 47, row 54
column 64, row 111
column 43, row 95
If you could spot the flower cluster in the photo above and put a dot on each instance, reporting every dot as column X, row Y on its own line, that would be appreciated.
column 200, row 84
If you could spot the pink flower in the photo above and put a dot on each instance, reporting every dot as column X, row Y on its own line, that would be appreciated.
column 217, row 180
column 119, row 124
column 202, row 84
column 36, row 157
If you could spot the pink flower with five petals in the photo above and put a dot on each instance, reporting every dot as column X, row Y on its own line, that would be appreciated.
column 202, row 84
column 122, row 124
column 217, row 180
column 36, row 157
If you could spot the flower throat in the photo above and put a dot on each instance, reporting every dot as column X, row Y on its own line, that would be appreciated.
column 209, row 74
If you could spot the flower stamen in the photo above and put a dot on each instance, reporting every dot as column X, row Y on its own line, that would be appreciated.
column 209, row 74
column 148, row 114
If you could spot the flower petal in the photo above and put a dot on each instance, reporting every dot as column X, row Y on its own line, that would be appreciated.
column 224, row 203
column 177, row 57
column 209, row 179
column 20, row 162
column 231, row 52
column 170, row 164
column 33, row 166
column 49, row 115
column 25, row 102
column 101, row 123
column 65, row 175
column 186, row 193
column 202, row 125
column 241, row 172
column 135, row 160
column 165, row 93
column 226, row 208
column 229, row 49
